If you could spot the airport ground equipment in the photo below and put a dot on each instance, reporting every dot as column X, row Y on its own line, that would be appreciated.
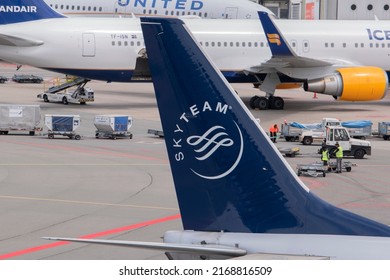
column 113, row 126
column 19, row 118
column 60, row 93
column 345, row 165
column 356, row 129
column 292, row 131
column 311, row 169
column 289, row 152
column 27, row 79
column 351, row 147
column 3, row 79
column 64, row 125
column 384, row 130
column 158, row 133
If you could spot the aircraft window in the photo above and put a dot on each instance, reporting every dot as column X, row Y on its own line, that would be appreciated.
column 201, row 43
column 262, row 44
column 249, row 44
column 212, row 44
column 172, row 13
column 126, row 43
column 369, row 7
column 231, row 44
column 132, row 43
column 178, row 13
column 83, row 8
column 144, row 12
column 353, row 7
column 62, row 7
column 189, row 13
column 200, row 14
column 155, row 12
column 72, row 7
column 100, row 9
column 113, row 43
column 207, row 44
column 332, row 45
column 255, row 44
column 119, row 43
column 166, row 13
column 356, row 45
column 383, row 45
column 89, row 8
column 205, row 14
column 94, row 9
column 371, row 45
column 150, row 12
column 243, row 44
column 306, row 44
column 293, row 44
column 377, row 45
column 219, row 44
column 388, row 45
column 56, row 6
column 326, row 45
column 78, row 8
column 67, row 7
column 386, row 7
column 183, row 13
column 237, row 44
column 362, row 45
column 344, row 45
column 138, row 43
column 225, row 44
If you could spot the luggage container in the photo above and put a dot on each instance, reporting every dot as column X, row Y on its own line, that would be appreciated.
column 19, row 118
column 113, row 126
column 384, row 130
column 64, row 125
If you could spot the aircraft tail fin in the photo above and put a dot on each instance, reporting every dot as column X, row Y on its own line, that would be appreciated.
column 14, row 11
column 276, row 41
column 228, row 175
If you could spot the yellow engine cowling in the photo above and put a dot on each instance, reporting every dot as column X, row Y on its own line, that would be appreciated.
column 352, row 84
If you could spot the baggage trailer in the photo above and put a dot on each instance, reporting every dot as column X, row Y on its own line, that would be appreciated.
column 311, row 169
column 19, row 118
column 384, row 130
column 113, row 126
column 64, row 125
column 345, row 165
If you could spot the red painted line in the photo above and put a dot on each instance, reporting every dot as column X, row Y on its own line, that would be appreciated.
column 89, row 236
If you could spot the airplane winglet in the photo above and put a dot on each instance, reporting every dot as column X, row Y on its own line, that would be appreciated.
column 276, row 41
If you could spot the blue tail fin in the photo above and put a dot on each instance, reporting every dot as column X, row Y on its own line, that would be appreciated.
column 276, row 41
column 14, row 11
column 228, row 175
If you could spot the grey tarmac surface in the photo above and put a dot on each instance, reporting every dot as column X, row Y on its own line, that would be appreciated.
column 122, row 189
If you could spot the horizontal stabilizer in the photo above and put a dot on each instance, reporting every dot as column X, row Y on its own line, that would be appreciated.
column 183, row 248
column 13, row 41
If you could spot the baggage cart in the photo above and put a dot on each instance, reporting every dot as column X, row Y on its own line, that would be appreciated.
column 113, row 126
column 64, row 125
column 311, row 169
column 345, row 166
column 384, row 130
column 19, row 118
column 289, row 152
column 158, row 133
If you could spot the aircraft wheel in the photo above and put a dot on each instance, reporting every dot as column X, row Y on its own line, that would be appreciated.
column 252, row 101
column 262, row 103
column 65, row 101
column 45, row 98
column 276, row 103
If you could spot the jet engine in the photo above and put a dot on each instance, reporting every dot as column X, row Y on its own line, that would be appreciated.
column 352, row 84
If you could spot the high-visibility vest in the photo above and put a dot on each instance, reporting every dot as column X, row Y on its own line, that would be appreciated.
column 339, row 153
column 325, row 155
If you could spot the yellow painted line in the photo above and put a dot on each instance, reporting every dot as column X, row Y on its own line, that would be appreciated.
column 86, row 202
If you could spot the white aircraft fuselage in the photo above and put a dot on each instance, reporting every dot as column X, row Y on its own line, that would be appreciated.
column 107, row 48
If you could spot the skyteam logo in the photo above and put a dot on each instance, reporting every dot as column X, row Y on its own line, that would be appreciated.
column 212, row 152
column 274, row 39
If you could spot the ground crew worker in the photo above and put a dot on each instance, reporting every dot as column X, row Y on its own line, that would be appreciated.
column 339, row 157
column 325, row 156
column 273, row 131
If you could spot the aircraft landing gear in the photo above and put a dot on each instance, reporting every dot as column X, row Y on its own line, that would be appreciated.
column 262, row 103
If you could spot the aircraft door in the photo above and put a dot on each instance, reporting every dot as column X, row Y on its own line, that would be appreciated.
column 231, row 12
column 88, row 44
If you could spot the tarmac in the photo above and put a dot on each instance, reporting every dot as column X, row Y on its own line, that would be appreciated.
column 123, row 189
